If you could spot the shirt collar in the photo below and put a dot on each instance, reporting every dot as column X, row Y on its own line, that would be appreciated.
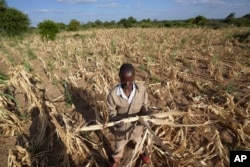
column 121, row 93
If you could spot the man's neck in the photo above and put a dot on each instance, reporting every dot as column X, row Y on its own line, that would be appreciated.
column 128, row 91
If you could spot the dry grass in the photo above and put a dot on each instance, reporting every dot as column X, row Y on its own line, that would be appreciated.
column 197, row 79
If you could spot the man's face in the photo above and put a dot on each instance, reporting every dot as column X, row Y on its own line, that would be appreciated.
column 127, row 79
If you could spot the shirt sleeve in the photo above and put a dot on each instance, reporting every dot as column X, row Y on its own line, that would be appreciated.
column 145, row 103
column 111, row 107
column 144, row 108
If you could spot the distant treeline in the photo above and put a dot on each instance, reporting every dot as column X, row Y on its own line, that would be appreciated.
column 230, row 20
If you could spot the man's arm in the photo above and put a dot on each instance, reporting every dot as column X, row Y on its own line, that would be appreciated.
column 112, row 109
column 144, row 108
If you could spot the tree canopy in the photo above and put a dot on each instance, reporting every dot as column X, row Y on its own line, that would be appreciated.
column 74, row 25
column 3, row 4
column 48, row 29
column 12, row 21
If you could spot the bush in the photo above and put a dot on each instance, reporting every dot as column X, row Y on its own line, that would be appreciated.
column 62, row 26
column 230, row 18
column 48, row 29
column 74, row 25
column 242, row 36
column 200, row 20
column 13, row 22
column 127, row 23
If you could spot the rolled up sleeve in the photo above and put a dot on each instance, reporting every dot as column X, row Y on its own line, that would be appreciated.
column 112, row 108
column 144, row 108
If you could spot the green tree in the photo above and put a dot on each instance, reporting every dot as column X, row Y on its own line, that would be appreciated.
column 98, row 23
column 190, row 21
column 89, row 24
column 3, row 4
column 74, row 25
column 12, row 21
column 111, row 24
column 62, row 26
column 127, row 22
column 48, row 29
column 200, row 20
column 123, row 22
column 230, row 18
column 132, row 20
column 247, row 16
column 244, row 21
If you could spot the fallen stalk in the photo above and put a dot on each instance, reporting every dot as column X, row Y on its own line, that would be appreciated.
column 157, row 119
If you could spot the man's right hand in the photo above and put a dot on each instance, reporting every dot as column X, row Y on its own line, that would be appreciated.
column 144, row 111
column 120, row 124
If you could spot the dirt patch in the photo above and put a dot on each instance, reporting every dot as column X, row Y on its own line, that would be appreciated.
column 6, row 143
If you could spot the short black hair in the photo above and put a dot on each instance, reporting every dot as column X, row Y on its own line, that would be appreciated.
column 127, row 67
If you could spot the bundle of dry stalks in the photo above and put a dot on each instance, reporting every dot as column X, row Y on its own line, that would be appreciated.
column 48, row 137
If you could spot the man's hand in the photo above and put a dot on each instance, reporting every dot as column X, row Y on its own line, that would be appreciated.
column 144, row 111
column 120, row 124
column 117, row 119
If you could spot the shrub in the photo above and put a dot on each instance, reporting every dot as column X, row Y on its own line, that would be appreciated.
column 74, row 25
column 242, row 37
column 200, row 20
column 230, row 18
column 13, row 22
column 127, row 22
column 62, row 26
column 48, row 29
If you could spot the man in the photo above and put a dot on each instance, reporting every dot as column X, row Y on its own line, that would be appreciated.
column 127, row 99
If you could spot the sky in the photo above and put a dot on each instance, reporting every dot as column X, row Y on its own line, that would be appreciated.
column 114, row 10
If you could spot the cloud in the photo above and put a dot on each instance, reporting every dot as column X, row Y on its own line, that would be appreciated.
column 206, row 2
column 77, row 1
column 59, row 12
column 111, row 5
column 48, row 11
column 240, row 4
column 215, row 3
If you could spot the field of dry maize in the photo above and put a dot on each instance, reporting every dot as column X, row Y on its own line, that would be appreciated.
column 50, row 91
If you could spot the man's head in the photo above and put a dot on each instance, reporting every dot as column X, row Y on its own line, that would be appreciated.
column 127, row 75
